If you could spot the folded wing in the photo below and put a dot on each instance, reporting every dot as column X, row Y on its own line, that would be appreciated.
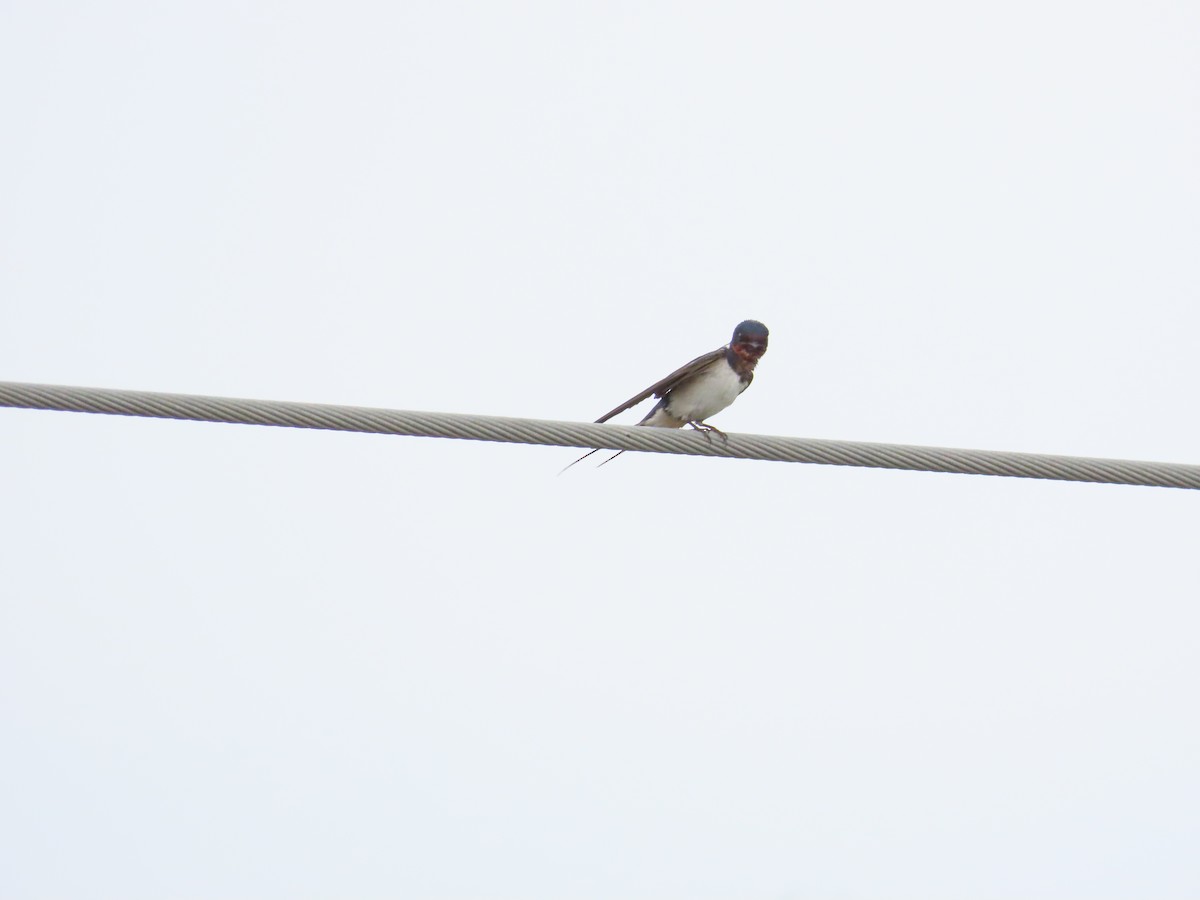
column 660, row 388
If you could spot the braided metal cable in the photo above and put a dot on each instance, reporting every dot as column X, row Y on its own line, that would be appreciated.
column 580, row 434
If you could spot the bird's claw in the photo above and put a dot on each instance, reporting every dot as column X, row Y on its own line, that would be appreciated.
column 708, row 431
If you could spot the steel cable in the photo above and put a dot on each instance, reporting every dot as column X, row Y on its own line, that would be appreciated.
column 585, row 434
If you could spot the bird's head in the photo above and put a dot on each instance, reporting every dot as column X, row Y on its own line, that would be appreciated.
column 749, row 340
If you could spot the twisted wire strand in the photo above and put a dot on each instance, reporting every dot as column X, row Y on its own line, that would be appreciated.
column 585, row 434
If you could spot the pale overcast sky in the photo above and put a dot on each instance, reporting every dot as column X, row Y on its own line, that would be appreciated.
column 251, row 662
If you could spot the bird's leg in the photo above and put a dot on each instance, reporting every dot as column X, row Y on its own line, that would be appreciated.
column 704, row 428
column 709, row 430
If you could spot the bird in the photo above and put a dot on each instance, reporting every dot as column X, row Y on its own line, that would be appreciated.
column 701, row 388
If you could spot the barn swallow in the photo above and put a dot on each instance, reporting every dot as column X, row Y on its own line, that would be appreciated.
column 700, row 389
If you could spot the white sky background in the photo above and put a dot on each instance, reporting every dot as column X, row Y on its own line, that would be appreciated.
column 243, row 661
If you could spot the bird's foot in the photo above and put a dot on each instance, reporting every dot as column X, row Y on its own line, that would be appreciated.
column 708, row 431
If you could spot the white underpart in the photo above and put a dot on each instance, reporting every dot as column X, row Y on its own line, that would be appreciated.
column 700, row 397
